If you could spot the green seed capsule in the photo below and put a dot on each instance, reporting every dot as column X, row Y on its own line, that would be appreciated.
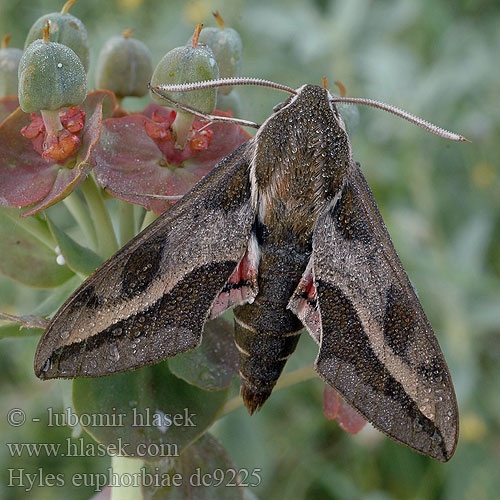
column 124, row 66
column 9, row 63
column 185, row 65
column 226, row 46
column 65, row 29
column 230, row 102
column 51, row 76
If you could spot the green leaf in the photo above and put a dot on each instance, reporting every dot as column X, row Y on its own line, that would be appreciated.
column 212, row 365
column 78, row 258
column 204, row 471
column 156, row 414
column 58, row 296
column 24, row 257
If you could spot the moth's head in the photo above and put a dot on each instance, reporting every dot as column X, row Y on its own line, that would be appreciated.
column 312, row 98
column 307, row 94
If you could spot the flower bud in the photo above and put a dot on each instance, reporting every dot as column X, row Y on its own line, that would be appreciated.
column 227, row 48
column 191, row 63
column 230, row 102
column 124, row 66
column 51, row 76
column 9, row 62
column 64, row 28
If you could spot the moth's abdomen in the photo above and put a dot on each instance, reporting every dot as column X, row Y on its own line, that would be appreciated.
column 263, row 355
column 266, row 332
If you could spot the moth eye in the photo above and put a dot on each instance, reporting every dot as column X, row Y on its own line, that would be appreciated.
column 281, row 105
column 278, row 106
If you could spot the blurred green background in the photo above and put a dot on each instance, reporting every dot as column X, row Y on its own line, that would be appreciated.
column 440, row 201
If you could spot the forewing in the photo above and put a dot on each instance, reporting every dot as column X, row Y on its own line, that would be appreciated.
column 151, row 299
column 377, row 347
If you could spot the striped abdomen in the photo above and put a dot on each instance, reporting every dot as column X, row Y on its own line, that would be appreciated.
column 266, row 332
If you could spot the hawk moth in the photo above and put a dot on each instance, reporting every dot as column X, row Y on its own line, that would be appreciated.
column 286, row 231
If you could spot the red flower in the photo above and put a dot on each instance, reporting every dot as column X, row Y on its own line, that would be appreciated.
column 52, row 166
column 137, row 159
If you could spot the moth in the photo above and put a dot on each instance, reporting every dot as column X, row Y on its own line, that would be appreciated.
column 286, row 231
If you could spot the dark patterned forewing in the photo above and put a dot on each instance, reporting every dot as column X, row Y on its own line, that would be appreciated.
column 377, row 347
column 151, row 299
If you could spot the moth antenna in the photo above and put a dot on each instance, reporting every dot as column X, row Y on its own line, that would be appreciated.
column 224, row 82
column 441, row 132
column 173, row 197
column 204, row 116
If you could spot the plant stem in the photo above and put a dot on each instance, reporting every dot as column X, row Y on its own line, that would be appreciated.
column 292, row 378
column 52, row 122
column 80, row 213
column 107, row 244
column 148, row 218
column 39, row 230
column 132, row 468
column 127, row 221
column 181, row 127
column 139, row 214
column 34, row 226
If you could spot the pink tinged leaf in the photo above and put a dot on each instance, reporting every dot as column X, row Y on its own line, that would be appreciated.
column 8, row 105
column 75, row 171
column 25, row 177
column 136, row 159
column 108, row 100
column 335, row 408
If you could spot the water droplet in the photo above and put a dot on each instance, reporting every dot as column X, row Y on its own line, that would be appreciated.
column 436, row 438
column 113, row 350
column 162, row 421
column 59, row 65
column 205, row 375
